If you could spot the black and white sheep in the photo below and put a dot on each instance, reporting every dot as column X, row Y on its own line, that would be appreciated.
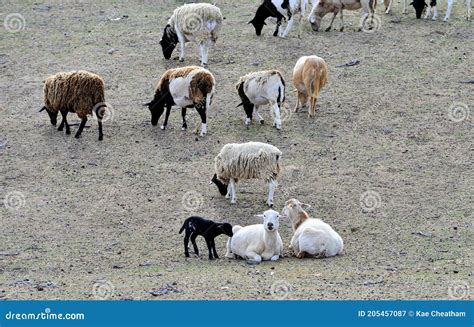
column 186, row 87
column 262, row 88
column 252, row 160
column 196, row 22
column 80, row 92
column 281, row 10
column 195, row 226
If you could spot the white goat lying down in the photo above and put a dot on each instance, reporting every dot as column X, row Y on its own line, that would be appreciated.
column 312, row 237
column 257, row 242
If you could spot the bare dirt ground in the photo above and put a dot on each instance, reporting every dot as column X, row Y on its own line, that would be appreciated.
column 85, row 219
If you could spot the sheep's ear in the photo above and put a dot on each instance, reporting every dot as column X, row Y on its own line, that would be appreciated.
column 146, row 104
column 42, row 109
column 160, row 41
column 259, row 216
column 305, row 206
column 283, row 216
column 250, row 22
column 240, row 104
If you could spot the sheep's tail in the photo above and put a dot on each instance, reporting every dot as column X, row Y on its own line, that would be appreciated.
column 182, row 228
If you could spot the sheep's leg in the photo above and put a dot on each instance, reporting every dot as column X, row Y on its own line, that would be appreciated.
column 228, row 253
column 183, row 114
column 428, row 12
column 248, row 107
column 213, row 248
column 253, row 257
column 229, row 190
column 287, row 30
column 186, row 243
column 277, row 30
column 99, row 122
column 202, row 114
column 204, row 50
column 365, row 15
column 182, row 44
column 435, row 13
column 193, row 241
column 275, row 257
column 81, row 127
column 271, row 190
column 277, row 120
column 448, row 10
column 233, row 199
column 332, row 21
column 167, row 115
column 209, row 248
column 405, row 7
column 260, row 118
column 388, row 7
column 342, row 21
column 64, row 122
column 468, row 4
column 297, row 106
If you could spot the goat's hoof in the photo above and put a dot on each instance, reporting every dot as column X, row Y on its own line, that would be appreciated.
column 233, row 201
column 342, row 29
column 184, row 128
column 101, row 137
column 60, row 128
column 262, row 122
column 68, row 132
column 328, row 29
column 77, row 136
column 181, row 59
column 163, row 127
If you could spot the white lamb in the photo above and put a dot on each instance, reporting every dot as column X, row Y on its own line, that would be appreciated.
column 252, row 160
column 311, row 237
column 196, row 22
column 257, row 242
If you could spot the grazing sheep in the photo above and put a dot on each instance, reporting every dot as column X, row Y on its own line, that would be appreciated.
column 196, row 22
column 309, row 77
column 420, row 5
column 388, row 6
column 185, row 87
column 261, row 88
column 77, row 91
column 280, row 9
column 208, row 229
column 311, row 237
column 250, row 160
column 257, row 242
column 323, row 7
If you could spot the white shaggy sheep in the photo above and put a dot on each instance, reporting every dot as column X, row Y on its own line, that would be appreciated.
column 311, row 236
column 196, row 22
column 252, row 160
column 257, row 242
column 261, row 88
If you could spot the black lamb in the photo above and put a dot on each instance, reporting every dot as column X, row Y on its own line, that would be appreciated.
column 208, row 229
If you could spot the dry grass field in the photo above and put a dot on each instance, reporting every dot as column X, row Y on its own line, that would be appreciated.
column 84, row 219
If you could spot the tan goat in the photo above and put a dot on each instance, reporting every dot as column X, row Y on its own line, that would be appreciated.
column 309, row 76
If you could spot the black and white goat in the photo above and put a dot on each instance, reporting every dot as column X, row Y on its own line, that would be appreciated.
column 195, row 226
column 420, row 5
column 281, row 10
column 186, row 87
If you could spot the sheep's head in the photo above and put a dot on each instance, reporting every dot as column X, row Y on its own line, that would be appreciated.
column 271, row 220
column 226, row 228
column 156, row 109
column 168, row 42
column 317, row 14
column 53, row 116
column 296, row 211
column 419, row 6
column 221, row 186
column 258, row 26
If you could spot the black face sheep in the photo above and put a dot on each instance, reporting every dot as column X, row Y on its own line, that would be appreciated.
column 78, row 91
column 186, row 87
column 195, row 22
column 252, row 160
column 208, row 229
